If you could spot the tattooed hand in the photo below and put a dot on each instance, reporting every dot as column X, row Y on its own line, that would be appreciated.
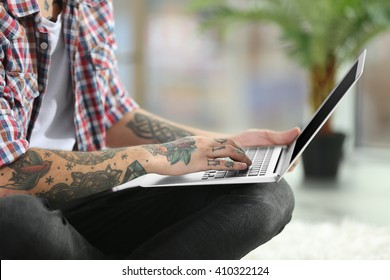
column 192, row 154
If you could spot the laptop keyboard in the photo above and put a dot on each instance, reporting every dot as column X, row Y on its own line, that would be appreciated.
column 260, row 158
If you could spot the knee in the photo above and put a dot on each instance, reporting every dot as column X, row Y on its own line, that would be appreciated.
column 268, row 209
column 283, row 201
column 271, row 199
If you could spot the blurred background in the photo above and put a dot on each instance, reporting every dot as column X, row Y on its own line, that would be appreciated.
column 245, row 79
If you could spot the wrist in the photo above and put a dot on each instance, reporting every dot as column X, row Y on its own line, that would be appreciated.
column 169, row 158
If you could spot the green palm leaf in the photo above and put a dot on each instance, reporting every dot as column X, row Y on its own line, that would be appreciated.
column 176, row 157
column 319, row 34
column 186, row 156
column 311, row 30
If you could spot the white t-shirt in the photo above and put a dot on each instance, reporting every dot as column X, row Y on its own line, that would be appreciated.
column 54, row 127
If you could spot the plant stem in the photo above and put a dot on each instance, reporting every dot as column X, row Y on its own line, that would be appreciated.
column 322, row 81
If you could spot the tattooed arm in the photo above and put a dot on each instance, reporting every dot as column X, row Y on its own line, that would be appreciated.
column 140, row 127
column 64, row 175
column 61, row 176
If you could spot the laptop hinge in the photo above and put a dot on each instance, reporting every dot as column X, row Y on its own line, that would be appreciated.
column 284, row 160
column 278, row 161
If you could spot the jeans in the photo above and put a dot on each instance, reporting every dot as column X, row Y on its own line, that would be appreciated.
column 204, row 222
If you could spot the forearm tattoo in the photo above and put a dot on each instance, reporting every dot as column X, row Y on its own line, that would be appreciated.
column 179, row 150
column 88, row 158
column 84, row 184
column 27, row 171
column 152, row 129
column 34, row 166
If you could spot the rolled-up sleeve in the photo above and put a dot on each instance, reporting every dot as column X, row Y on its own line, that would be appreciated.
column 118, row 102
column 12, row 142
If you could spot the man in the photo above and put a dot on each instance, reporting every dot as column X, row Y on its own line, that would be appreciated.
column 68, row 130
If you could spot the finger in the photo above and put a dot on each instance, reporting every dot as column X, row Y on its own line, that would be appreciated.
column 231, row 152
column 228, row 141
column 225, row 164
column 235, row 151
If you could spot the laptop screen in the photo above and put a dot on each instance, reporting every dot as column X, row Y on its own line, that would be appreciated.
column 325, row 111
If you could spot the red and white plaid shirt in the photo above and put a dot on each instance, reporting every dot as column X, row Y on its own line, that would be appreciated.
column 100, row 99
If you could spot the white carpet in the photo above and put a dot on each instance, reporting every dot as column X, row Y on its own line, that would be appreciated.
column 346, row 240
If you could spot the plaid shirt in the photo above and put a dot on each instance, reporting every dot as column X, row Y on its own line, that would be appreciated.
column 100, row 99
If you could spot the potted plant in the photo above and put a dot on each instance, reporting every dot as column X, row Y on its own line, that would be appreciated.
column 321, row 35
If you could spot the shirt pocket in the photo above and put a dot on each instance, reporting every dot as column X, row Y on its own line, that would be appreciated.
column 21, row 89
column 102, row 57
column 11, row 37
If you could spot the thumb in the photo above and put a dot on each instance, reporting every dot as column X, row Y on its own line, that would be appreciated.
column 286, row 137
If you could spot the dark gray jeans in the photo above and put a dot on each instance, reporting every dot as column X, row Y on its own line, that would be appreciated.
column 223, row 222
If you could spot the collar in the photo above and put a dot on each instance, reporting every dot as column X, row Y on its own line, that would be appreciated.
column 22, row 8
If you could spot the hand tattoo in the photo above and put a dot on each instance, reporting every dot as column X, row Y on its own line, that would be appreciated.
column 179, row 150
column 240, row 151
column 221, row 140
column 218, row 148
column 229, row 164
column 213, row 162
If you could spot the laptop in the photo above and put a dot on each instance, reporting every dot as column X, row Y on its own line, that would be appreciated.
column 269, row 164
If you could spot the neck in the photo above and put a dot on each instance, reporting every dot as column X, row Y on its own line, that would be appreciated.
column 50, row 8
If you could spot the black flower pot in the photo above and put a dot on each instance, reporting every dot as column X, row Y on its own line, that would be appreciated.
column 321, row 159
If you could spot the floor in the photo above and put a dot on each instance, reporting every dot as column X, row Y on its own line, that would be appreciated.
column 361, row 193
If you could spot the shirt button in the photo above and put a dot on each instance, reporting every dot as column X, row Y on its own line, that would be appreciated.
column 44, row 45
column 40, row 88
column 37, row 19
